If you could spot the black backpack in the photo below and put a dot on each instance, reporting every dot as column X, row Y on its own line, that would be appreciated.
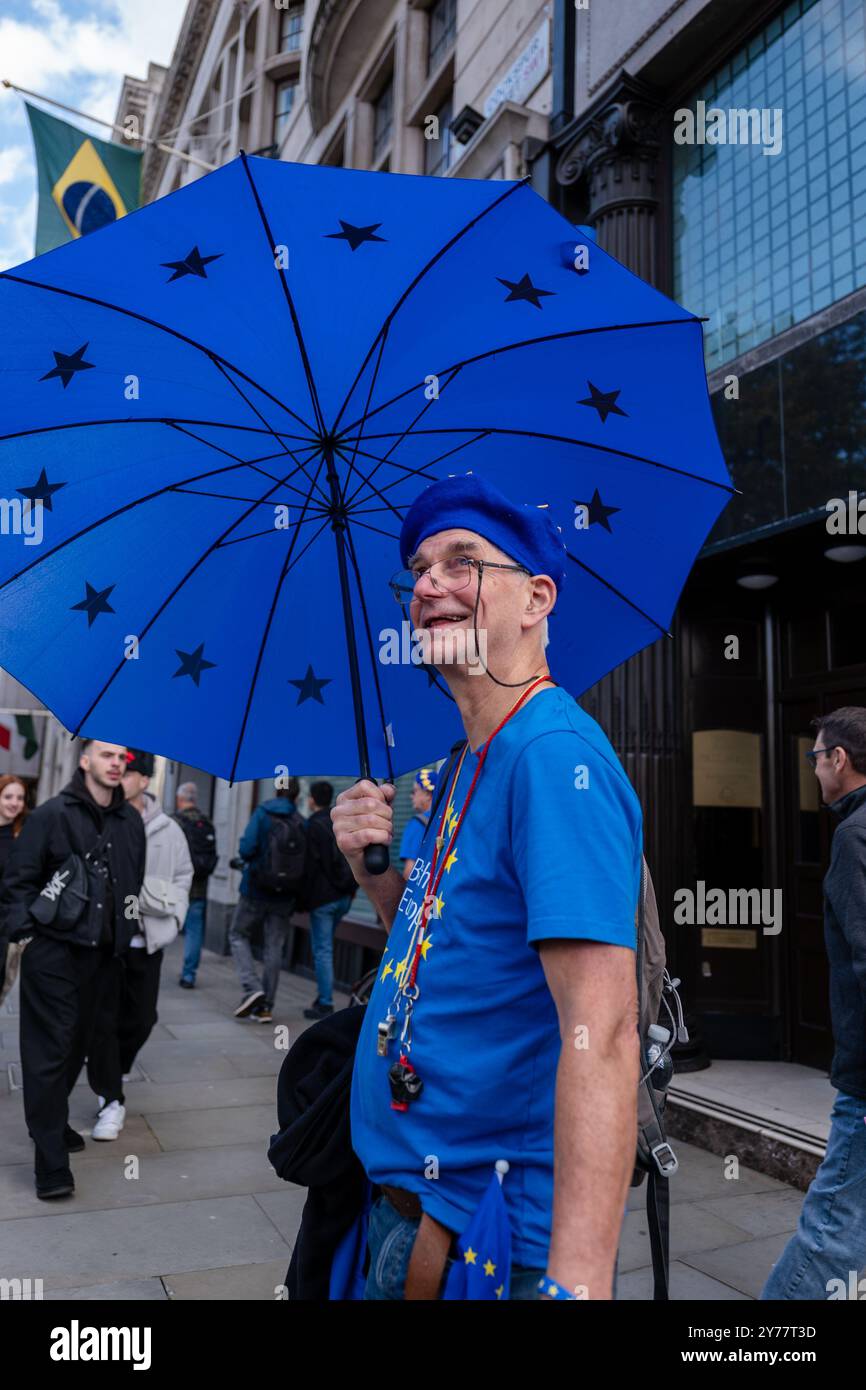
column 201, row 840
column 281, row 867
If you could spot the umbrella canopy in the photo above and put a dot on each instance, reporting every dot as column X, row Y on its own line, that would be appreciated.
column 225, row 403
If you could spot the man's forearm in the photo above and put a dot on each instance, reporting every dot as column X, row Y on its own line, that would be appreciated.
column 595, row 1136
column 384, row 891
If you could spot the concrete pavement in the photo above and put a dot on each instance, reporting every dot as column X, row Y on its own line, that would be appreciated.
column 185, row 1204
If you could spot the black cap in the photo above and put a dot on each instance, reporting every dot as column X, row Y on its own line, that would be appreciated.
column 136, row 761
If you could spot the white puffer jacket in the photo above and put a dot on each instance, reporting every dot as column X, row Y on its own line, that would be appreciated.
column 164, row 896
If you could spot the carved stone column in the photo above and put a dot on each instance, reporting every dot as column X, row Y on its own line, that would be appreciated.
column 613, row 150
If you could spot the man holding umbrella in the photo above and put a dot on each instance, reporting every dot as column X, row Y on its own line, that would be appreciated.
column 503, row 1021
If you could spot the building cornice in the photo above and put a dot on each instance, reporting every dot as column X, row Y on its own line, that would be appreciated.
column 188, row 52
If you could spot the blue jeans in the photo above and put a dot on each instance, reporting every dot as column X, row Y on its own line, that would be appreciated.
column 323, row 923
column 830, row 1240
column 390, row 1240
column 193, row 935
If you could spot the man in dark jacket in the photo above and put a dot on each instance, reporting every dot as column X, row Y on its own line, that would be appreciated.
column 828, row 1249
column 328, row 894
column 67, row 972
column 263, row 905
column 201, row 839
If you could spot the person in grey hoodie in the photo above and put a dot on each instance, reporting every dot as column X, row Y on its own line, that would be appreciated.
column 161, row 908
column 828, row 1250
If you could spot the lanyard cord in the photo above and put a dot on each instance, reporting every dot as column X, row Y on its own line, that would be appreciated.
column 436, row 878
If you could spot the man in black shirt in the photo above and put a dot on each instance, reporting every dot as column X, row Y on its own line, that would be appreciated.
column 330, row 885
column 68, row 971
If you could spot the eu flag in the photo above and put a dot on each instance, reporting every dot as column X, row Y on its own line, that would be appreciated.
column 482, row 1269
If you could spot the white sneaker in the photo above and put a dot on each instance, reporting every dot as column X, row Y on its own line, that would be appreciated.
column 100, row 1104
column 110, row 1121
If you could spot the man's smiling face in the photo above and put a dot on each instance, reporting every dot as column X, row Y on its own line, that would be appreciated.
column 445, row 619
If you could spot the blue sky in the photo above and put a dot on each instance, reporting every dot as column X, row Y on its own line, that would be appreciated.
column 77, row 52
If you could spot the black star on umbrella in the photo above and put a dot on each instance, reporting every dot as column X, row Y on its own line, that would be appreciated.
column 193, row 264
column 94, row 603
column 193, row 663
column 597, row 511
column 41, row 491
column 355, row 236
column 602, row 401
column 523, row 289
column 310, row 688
column 67, row 364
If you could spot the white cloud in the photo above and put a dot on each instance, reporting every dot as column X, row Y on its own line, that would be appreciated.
column 13, row 161
column 53, row 48
column 17, row 224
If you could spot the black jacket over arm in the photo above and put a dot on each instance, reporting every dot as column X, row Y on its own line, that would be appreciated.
column 72, row 823
column 845, row 937
column 314, row 1145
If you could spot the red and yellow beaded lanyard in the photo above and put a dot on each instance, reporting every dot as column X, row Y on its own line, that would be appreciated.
column 406, row 1084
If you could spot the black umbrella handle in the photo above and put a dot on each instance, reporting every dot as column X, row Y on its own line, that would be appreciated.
column 376, row 859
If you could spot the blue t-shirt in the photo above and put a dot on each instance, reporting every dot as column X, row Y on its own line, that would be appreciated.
column 410, row 843
column 549, row 848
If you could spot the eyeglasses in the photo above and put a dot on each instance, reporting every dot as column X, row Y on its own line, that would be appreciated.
column 447, row 576
column 813, row 756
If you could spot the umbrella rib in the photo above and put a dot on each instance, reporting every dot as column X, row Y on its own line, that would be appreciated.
column 394, row 463
column 247, row 463
column 619, row 594
column 119, row 511
column 566, row 439
column 373, row 662
column 296, row 323
column 373, row 486
column 364, row 417
column 162, row 607
column 163, row 327
column 528, row 342
column 417, row 472
column 443, row 251
column 144, row 420
column 230, row 497
column 367, row 527
column 261, row 417
column 409, row 428
column 262, row 645
column 272, row 531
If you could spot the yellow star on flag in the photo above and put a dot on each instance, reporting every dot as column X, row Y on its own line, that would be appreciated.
column 425, row 946
column 470, row 1256
column 400, row 971
column 500, row 1291
column 452, row 859
column 437, row 905
column 489, row 1267
column 387, row 971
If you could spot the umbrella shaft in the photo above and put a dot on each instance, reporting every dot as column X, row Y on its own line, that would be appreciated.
column 339, row 528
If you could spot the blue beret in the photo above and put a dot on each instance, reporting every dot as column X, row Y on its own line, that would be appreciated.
column 427, row 779
column 527, row 533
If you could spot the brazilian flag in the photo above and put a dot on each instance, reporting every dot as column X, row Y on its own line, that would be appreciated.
column 84, row 183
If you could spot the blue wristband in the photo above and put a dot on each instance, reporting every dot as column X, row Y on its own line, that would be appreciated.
column 552, row 1289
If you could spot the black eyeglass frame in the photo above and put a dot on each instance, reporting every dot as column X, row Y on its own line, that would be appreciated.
column 400, row 594
column 814, row 753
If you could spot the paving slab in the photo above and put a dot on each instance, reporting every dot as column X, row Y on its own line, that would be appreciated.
column 260, row 1282
column 77, row 1249
column 284, row 1209
column 101, row 1182
column 759, row 1214
column 139, row 1290
column 684, row 1284
column 145, row 1098
column 692, row 1229
column 744, row 1267
column 205, row 1129
column 221, row 1029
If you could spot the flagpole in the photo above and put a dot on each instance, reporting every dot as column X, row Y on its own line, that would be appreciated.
column 73, row 111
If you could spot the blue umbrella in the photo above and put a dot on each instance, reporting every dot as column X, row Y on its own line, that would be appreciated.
column 215, row 412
